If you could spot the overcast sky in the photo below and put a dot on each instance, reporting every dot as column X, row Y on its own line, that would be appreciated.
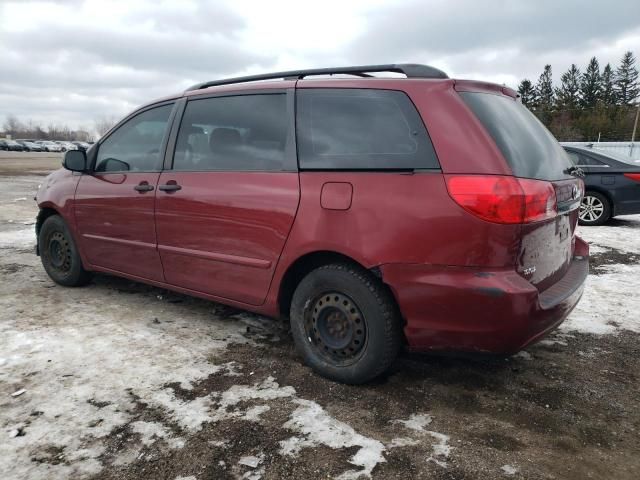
column 72, row 61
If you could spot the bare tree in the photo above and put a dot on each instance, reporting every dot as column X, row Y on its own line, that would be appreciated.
column 104, row 124
column 12, row 125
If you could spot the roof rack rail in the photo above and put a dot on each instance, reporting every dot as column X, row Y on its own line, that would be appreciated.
column 411, row 70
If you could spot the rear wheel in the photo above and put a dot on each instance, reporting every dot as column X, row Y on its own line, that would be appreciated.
column 595, row 209
column 345, row 324
column 59, row 254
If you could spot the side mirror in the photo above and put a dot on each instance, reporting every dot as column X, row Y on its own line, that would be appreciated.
column 75, row 160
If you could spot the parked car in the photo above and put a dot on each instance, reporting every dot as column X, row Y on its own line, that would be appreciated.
column 66, row 145
column 50, row 146
column 612, row 185
column 84, row 146
column 31, row 146
column 372, row 212
column 11, row 145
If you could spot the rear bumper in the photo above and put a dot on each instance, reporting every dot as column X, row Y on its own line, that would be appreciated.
column 469, row 309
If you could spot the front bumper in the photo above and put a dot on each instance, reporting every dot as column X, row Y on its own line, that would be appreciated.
column 470, row 309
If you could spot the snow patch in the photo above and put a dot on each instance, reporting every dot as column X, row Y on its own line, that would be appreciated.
column 416, row 421
column 523, row 355
column 620, row 237
column 610, row 301
column 90, row 361
column 18, row 238
column 440, row 450
column 150, row 431
column 509, row 469
column 251, row 461
column 402, row 442
column 595, row 249
column 316, row 427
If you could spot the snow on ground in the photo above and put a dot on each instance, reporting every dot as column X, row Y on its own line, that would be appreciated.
column 624, row 236
column 87, row 358
column 316, row 427
column 81, row 371
column 610, row 301
column 22, row 238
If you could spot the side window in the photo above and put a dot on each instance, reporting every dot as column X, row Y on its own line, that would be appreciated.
column 360, row 129
column 574, row 157
column 587, row 160
column 135, row 146
column 243, row 132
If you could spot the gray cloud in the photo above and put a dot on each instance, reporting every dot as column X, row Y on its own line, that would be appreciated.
column 464, row 33
column 83, row 71
column 57, row 68
column 532, row 26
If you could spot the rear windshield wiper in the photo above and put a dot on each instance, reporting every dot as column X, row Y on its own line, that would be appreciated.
column 575, row 171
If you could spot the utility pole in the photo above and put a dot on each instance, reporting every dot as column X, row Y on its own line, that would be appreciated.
column 635, row 126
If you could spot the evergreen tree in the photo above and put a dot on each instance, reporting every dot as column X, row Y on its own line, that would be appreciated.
column 568, row 95
column 608, row 93
column 527, row 93
column 590, row 84
column 544, row 89
column 626, row 81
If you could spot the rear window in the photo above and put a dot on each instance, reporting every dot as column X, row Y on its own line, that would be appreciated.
column 528, row 147
column 358, row 129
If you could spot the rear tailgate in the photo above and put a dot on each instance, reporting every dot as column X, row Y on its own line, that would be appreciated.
column 547, row 246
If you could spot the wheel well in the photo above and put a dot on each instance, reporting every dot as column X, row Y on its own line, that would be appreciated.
column 300, row 268
column 43, row 214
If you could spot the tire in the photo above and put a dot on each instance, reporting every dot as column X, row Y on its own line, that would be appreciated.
column 59, row 254
column 595, row 209
column 345, row 323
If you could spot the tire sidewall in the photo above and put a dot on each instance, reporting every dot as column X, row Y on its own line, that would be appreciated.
column 76, row 274
column 606, row 212
column 323, row 280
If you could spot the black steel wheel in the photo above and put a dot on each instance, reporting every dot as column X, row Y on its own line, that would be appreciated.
column 59, row 255
column 336, row 328
column 345, row 323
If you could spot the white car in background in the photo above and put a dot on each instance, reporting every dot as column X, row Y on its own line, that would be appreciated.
column 50, row 146
column 66, row 145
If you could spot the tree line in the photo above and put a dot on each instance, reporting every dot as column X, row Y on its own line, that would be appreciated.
column 18, row 129
column 589, row 104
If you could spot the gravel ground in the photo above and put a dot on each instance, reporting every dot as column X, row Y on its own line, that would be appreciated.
column 119, row 380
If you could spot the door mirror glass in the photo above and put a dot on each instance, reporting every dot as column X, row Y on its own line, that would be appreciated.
column 114, row 165
column 75, row 160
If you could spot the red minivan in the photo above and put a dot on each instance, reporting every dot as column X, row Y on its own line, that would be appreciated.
column 373, row 212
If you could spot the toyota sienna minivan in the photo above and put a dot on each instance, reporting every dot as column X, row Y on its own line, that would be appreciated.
column 372, row 212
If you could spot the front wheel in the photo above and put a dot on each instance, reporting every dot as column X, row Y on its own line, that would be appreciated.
column 595, row 209
column 345, row 323
column 59, row 254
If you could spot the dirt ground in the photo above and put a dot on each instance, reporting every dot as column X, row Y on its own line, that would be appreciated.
column 127, row 381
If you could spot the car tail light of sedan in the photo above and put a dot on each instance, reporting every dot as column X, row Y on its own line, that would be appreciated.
column 633, row 176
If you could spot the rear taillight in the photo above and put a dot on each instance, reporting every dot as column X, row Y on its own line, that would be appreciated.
column 503, row 199
column 633, row 176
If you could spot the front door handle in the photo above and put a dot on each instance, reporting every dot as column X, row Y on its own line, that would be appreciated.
column 143, row 187
column 169, row 187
